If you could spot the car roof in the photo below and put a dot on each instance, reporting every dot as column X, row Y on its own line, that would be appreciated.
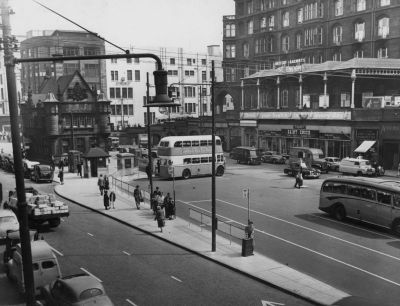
column 80, row 282
column 40, row 250
column 6, row 213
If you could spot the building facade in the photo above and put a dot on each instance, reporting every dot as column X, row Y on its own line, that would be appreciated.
column 305, row 73
column 189, row 78
column 61, row 43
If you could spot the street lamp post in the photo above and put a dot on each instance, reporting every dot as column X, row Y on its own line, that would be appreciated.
column 150, row 165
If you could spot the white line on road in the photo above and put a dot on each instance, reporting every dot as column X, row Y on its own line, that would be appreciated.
column 90, row 234
column 58, row 252
column 130, row 302
column 126, row 253
column 318, row 232
column 86, row 271
column 175, row 278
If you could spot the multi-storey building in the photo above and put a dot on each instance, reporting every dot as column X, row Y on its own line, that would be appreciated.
column 315, row 73
column 189, row 79
column 61, row 43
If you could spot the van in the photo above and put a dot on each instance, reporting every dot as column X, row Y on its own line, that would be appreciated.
column 312, row 157
column 44, row 263
column 356, row 166
column 247, row 155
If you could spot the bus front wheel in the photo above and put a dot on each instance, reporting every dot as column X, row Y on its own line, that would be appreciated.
column 186, row 174
column 220, row 171
column 339, row 212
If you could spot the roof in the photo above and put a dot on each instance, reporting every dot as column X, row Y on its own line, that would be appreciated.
column 40, row 250
column 79, row 283
column 96, row 152
column 365, row 146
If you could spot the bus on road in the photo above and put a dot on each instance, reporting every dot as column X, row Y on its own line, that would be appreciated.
column 188, row 156
column 371, row 200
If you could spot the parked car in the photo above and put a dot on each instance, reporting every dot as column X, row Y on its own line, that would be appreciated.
column 45, row 266
column 246, row 155
column 12, row 240
column 41, row 173
column 356, row 166
column 28, row 167
column 267, row 155
column 308, row 172
column 75, row 290
column 8, row 222
column 333, row 163
column 313, row 157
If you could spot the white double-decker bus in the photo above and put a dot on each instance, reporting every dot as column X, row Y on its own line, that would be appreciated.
column 188, row 156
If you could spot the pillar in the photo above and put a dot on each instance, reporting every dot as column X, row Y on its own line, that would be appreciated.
column 242, row 89
column 258, row 93
column 300, row 91
column 353, row 81
column 278, row 83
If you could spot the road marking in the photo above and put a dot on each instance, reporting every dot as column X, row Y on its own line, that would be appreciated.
column 126, row 253
column 352, row 226
column 90, row 234
column 86, row 271
column 175, row 278
column 318, row 232
column 130, row 302
column 58, row 252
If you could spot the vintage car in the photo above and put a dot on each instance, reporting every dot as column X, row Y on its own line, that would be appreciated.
column 8, row 222
column 78, row 289
column 42, row 173
column 333, row 163
column 13, row 239
column 28, row 167
column 308, row 172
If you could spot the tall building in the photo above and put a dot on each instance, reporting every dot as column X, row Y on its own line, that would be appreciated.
column 189, row 79
column 61, row 43
column 315, row 73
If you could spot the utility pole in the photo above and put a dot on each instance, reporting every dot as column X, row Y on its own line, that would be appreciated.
column 213, row 195
column 18, row 167
column 150, row 174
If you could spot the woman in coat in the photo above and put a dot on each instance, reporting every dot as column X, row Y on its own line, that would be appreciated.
column 106, row 200
column 160, row 217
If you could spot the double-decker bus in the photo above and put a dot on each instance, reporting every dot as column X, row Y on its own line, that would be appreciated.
column 188, row 156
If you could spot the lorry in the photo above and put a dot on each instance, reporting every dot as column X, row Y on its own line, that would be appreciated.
column 312, row 157
column 41, row 207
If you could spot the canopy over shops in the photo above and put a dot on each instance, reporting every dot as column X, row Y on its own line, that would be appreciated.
column 365, row 146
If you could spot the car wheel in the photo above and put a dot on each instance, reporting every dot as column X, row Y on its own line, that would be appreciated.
column 220, row 171
column 339, row 212
column 396, row 227
column 186, row 174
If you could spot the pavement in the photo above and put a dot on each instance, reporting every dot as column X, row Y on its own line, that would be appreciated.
column 197, row 239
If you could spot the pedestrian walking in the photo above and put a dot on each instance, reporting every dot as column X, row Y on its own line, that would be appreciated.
column 79, row 166
column 155, row 198
column 148, row 171
column 61, row 164
column 299, row 179
column 106, row 200
column 106, row 183
column 160, row 217
column 112, row 198
column 100, row 183
column 168, row 206
column 138, row 196
column 61, row 176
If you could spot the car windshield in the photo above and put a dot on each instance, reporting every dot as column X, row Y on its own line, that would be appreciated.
column 89, row 293
column 45, row 167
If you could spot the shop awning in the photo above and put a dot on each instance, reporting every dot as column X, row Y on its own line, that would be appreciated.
column 365, row 146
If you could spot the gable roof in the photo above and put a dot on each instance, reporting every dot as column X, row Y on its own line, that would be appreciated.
column 96, row 152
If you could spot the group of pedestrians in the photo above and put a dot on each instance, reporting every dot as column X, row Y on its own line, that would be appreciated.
column 104, row 186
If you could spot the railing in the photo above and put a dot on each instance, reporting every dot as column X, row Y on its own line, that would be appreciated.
column 127, row 188
column 229, row 227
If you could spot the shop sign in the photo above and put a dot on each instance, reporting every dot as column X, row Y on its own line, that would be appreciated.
column 367, row 134
column 269, row 133
column 300, row 133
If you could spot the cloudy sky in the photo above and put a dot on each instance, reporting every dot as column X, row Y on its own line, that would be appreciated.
column 190, row 24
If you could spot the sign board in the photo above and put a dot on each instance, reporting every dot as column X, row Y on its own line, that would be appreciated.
column 245, row 193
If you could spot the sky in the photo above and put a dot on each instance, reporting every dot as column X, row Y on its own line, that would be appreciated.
column 189, row 24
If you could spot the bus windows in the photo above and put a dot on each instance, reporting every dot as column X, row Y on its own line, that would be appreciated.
column 187, row 160
column 396, row 200
column 195, row 160
column 218, row 142
column 203, row 143
column 209, row 143
column 204, row 160
column 210, row 159
column 195, row 143
column 164, row 144
column 367, row 193
column 178, row 144
column 384, row 197
column 187, row 143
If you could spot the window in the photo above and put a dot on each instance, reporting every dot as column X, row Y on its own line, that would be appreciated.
column 359, row 31
column 204, row 76
column 130, row 92
column 189, row 61
column 383, row 27
column 300, row 15
column 313, row 10
column 270, row 44
column 172, row 61
column 70, row 51
column 230, row 51
column 382, row 53
column 114, row 75
column 249, row 7
column 250, row 27
column 246, row 51
column 384, row 197
column 91, row 70
column 285, row 19
column 190, row 91
column 129, row 61
column 190, row 108
column 118, row 92
column 113, row 61
column 112, row 92
column 337, row 56
column 91, row 51
column 384, row 2
column 263, row 5
column 203, row 61
column 124, row 92
column 338, row 7
column 298, row 41
column 129, row 75
column 360, row 5
column 285, row 98
column 337, row 34
column 271, row 22
column 271, row 3
column 136, row 60
column 263, row 22
column 230, row 30
column 285, row 43
column 359, row 54
column 137, row 75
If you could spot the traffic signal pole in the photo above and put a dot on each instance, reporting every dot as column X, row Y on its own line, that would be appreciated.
column 18, row 167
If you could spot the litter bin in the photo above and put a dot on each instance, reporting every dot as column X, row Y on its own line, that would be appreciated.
column 247, row 247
